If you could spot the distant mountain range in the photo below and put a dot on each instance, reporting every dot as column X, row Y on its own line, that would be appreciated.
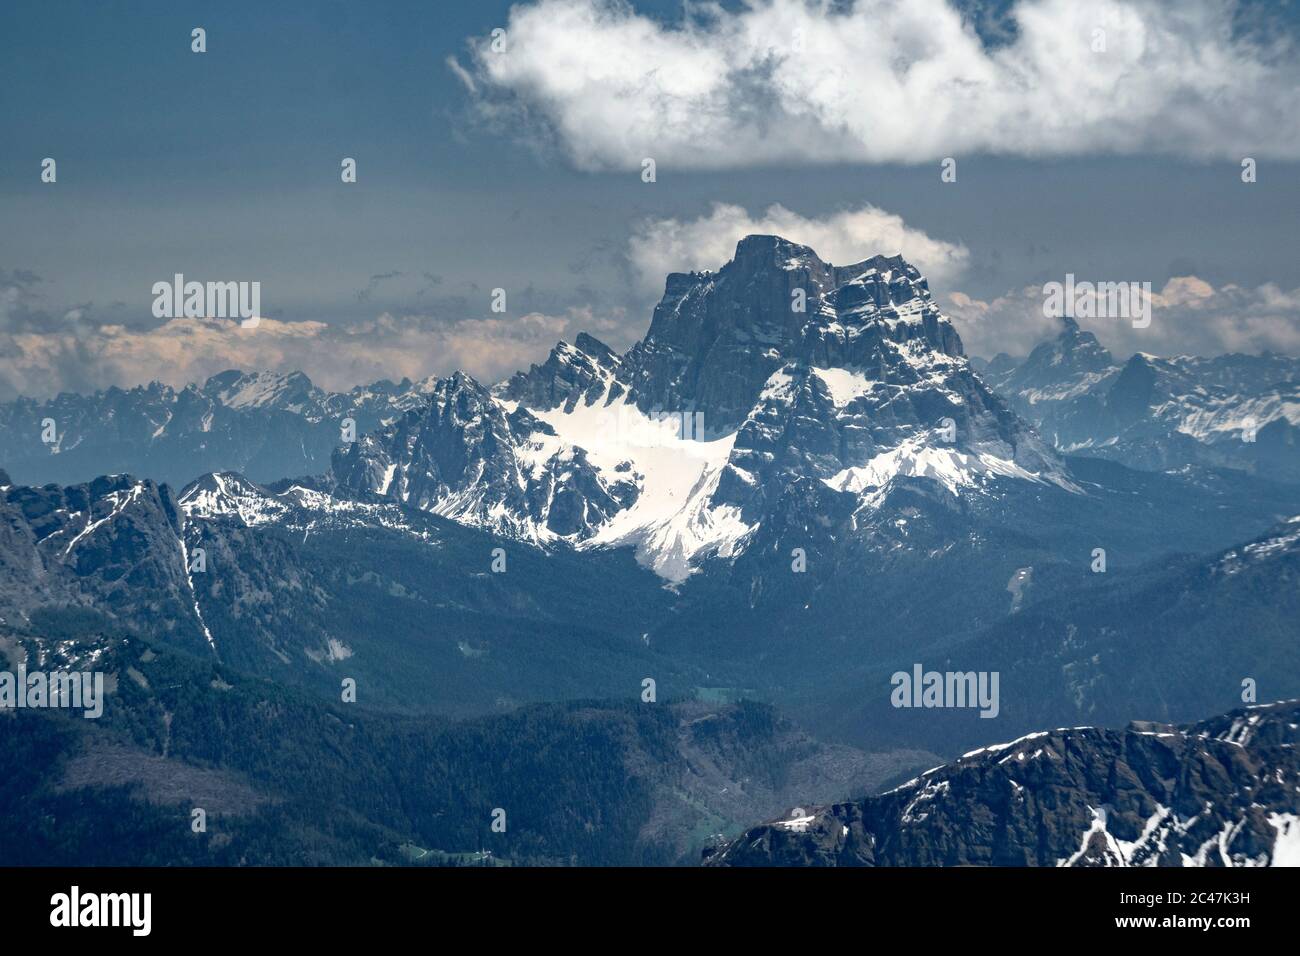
column 1232, row 411
column 263, row 424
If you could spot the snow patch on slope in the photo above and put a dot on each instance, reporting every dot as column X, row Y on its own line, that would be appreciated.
column 1286, row 849
column 229, row 494
column 952, row 468
column 189, row 579
column 844, row 385
column 671, row 520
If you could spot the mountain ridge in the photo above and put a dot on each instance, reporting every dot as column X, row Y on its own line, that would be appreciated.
column 1219, row 792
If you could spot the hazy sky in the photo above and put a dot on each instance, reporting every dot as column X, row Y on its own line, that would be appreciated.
column 521, row 169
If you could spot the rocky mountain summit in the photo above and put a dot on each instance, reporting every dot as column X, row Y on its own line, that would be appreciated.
column 1221, row 792
column 716, row 338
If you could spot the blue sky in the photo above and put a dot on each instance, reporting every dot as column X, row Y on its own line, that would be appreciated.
column 225, row 166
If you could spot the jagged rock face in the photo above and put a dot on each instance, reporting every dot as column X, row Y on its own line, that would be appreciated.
column 716, row 338
column 585, row 371
column 1222, row 792
column 471, row 457
column 301, row 584
column 1235, row 411
column 1155, row 413
column 263, row 424
column 924, row 412
column 112, row 544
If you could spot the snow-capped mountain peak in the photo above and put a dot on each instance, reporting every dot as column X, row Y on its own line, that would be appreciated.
column 777, row 368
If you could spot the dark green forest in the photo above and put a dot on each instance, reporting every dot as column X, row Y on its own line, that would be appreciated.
column 303, row 781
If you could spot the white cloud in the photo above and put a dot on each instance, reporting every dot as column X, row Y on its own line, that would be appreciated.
column 792, row 81
column 1188, row 317
column 660, row 246
column 1013, row 323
